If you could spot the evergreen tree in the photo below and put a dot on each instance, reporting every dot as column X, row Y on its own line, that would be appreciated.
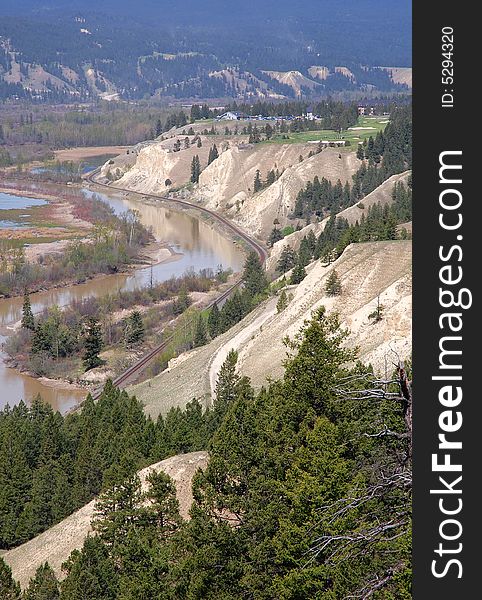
column 91, row 574
column 271, row 177
column 258, row 184
column 200, row 335
column 28, row 321
column 44, row 586
column 134, row 329
column 311, row 242
column 298, row 273
column 305, row 253
column 195, row 169
column 195, row 113
column 254, row 276
column 93, row 344
column 164, row 508
column 9, row 589
column 274, row 236
column 282, row 301
column 234, row 309
column 182, row 302
column 158, row 128
column 287, row 260
column 213, row 154
column 333, row 284
column 227, row 386
column 377, row 315
column 213, row 321
column 115, row 512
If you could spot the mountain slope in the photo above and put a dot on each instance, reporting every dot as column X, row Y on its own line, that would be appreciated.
column 56, row 544
column 226, row 185
column 160, row 49
column 366, row 270
column 381, row 195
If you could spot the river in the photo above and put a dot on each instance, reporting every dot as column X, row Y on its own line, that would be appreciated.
column 197, row 245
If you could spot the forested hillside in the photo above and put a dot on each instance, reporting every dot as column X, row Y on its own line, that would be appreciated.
column 305, row 478
column 79, row 50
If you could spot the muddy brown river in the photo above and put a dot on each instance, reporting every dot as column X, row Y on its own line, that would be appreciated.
column 197, row 245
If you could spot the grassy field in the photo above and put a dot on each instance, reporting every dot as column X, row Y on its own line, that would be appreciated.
column 371, row 126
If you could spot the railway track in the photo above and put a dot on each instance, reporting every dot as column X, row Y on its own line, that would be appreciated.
column 134, row 370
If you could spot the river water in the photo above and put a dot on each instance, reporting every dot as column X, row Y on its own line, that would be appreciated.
column 197, row 245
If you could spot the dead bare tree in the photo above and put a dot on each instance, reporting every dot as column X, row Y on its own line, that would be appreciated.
column 390, row 487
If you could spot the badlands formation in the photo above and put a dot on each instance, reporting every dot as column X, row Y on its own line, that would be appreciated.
column 226, row 185
column 368, row 271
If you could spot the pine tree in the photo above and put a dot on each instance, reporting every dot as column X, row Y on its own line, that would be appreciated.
column 195, row 169
column 164, row 508
column 311, row 240
column 9, row 589
column 305, row 254
column 213, row 321
column 274, row 236
column 282, row 301
column 91, row 574
column 234, row 309
column 44, row 586
column 377, row 315
column 333, row 284
column 158, row 128
column 254, row 276
column 200, row 336
column 93, row 344
column 360, row 153
column 195, row 113
column 226, row 386
column 182, row 302
column 298, row 273
column 213, row 154
column 287, row 260
column 115, row 511
column 134, row 331
column 41, row 341
column 258, row 184
column 28, row 321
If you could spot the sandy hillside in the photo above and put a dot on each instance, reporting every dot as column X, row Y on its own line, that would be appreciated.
column 156, row 168
column 381, row 195
column 56, row 544
column 366, row 271
column 294, row 79
column 318, row 72
column 227, row 184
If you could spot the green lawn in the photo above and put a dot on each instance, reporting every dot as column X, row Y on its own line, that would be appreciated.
column 371, row 125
